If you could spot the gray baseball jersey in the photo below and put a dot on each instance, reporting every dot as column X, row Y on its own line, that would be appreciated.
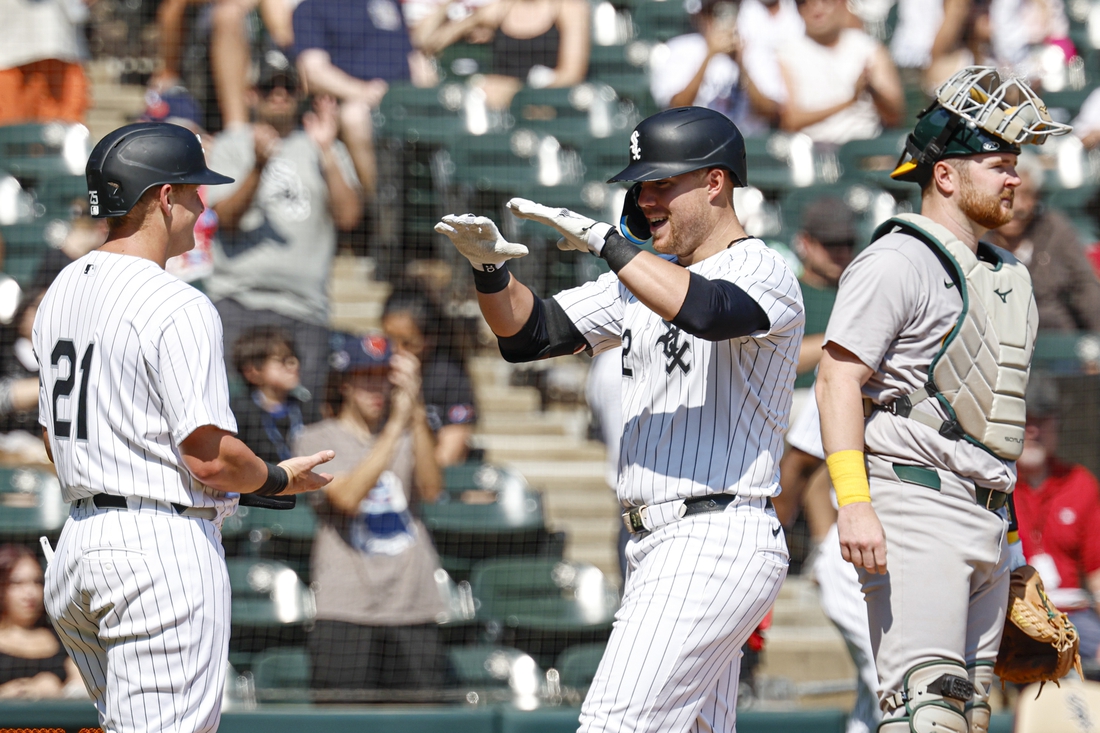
column 895, row 306
column 943, row 596
column 700, row 417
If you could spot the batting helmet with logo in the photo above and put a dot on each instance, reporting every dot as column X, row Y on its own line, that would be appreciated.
column 682, row 140
column 129, row 161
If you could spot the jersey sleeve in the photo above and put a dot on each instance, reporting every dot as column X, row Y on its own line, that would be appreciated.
column 188, row 369
column 596, row 308
column 765, row 276
column 877, row 297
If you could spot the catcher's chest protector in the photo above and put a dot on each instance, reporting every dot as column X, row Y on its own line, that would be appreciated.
column 980, row 373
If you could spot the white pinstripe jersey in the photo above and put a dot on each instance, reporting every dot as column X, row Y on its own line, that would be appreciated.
column 699, row 417
column 130, row 364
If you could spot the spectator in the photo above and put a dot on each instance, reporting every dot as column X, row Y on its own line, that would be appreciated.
column 276, row 240
column 1022, row 31
column 231, row 54
column 1067, row 291
column 841, row 82
column 915, row 34
column 19, row 370
column 416, row 327
column 33, row 664
column 352, row 51
column 707, row 71
column 373, row 564
column 543, row 43
column 1087, row 124
column 964, row 39
column 41, row 50
column 764, row 26
column 269, row 416
column 1057, row 508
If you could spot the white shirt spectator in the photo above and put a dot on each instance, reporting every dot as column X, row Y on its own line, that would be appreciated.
column 918, row 23
column 763, row 34
column 823, row 76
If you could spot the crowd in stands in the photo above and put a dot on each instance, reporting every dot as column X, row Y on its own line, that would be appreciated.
column 291, row 117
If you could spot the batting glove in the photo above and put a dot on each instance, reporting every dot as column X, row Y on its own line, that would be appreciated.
column 579, row 232
column 478, row 240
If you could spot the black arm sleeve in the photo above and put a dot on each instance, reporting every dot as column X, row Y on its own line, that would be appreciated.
column 717, row 310
column 548, row 332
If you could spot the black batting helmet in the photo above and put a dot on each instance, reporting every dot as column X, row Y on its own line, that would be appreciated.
column 134, row 158
column 682, row 140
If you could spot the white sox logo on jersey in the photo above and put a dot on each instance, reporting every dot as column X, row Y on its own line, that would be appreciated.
column 674, row 350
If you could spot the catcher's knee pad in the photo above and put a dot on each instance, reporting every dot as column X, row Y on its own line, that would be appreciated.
column 978, row 710
column 934, row 696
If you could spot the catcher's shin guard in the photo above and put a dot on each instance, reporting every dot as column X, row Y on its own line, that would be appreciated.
column 934, row 697
column 978, row 710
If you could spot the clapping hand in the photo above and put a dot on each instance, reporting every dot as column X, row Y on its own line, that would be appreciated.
column 478, row 240
column 580, row 233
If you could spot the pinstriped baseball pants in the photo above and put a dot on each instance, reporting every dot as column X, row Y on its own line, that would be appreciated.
column 141, row 602
column 695, row 590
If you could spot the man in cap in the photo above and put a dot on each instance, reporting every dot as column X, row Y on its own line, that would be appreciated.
column 922, row 413
column 276, row 240
column 710, row 328
column 134, row 406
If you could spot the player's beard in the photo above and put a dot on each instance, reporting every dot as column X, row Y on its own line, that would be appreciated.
column 984, row 210
column 686, row 231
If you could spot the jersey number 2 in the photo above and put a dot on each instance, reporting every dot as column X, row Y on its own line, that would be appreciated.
column 66, row 349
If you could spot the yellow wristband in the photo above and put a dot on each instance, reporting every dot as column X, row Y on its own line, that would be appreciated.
column 849, row 477
column 1013, row 537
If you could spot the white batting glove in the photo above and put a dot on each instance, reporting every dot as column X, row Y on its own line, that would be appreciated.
column 478, row 240
column 580, row 232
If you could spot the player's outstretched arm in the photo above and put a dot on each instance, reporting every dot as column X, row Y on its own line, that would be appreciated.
column 840, row 378
column 223, row 462
column 505, row 302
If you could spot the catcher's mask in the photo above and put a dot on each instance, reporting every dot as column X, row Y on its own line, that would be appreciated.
column 134, row 158
column 975, row 112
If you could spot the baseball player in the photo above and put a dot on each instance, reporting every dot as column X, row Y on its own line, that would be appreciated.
column 710, row 329
column 922, row 413
column 134, row 404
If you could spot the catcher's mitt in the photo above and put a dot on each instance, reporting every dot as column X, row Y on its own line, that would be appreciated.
column 1039, row 643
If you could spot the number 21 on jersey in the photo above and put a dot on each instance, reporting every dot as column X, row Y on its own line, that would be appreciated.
column 65, row 350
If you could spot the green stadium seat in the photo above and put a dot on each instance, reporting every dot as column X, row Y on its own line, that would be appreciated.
column 35, row 152
column 58, row 194
column 26, row 243
column 577, row 664
column 572, row 115
column 768, row 163
column 461, row 60
column 415, row 115
column 660, row 20
column 475, row 476
column 271, row 607
column 873, row 160
column 543, row 605
column 30, row 504
column 490, row 665
column 282, row 674
column 871, row 204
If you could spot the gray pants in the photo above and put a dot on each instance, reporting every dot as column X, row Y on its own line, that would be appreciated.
column 946, row 588
column 310, row 341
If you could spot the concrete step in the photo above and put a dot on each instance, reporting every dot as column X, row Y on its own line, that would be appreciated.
column 550, row 476
column 498, row 399
column 508, row 448
column 356, row 317
column 566, row 422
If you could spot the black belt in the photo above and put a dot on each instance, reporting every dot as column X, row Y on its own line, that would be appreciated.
column 113, row 501
column 713, row 503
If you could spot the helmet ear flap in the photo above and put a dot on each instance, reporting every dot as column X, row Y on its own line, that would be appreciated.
column 633, row 223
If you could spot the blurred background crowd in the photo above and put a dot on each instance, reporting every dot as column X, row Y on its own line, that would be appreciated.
column 469, row 539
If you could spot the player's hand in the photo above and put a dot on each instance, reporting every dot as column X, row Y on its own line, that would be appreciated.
column 579, row 232
column 301, row 474
column 478, row 240
column 862, row 539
